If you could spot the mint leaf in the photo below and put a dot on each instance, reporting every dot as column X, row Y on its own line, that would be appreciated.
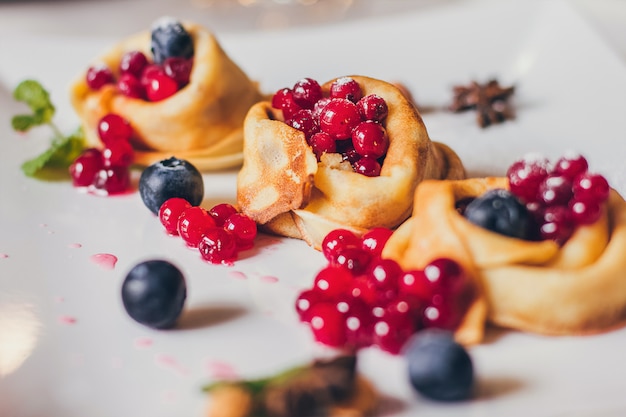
column 62, row 152
column 38, row 99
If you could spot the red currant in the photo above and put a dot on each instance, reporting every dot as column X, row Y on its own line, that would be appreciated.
column 306, row 300
column 525, row 176
column 217, row 246
column 170, row 211
column 133, row 63
column 327, row 324
column 179, row 69
column 370, row 139
column 304, row 121
column 160, row 87
column 337, row 240
column 112, row 180
column 98, row 76
column 321, row 143
column 373, row 107
column 332, row 281
column 221, row 212
column 283, row 100
column 130, row 86
column 375, row 239
column 367, row 166
column 114, row 128
column 192, row 224
column 84, row 169
column 120, row 153
column 570, row 166
column 339, row 117
column 346, row 88
column 243, row 228
column 306, row 92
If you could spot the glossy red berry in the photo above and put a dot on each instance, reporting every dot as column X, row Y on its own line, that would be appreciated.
column 384, row 275
column 332, row 281
column 243, row 228
column 367, row 166
column 354, row 259
column 133, row 63
column 373, row 107
column 555, row 190
column 84, row 169
column 283, row 100
column 570, row 166
column 337, row 240
column 160, row 86
column 179, row 69
column 327, row 324
column 557, row 224
column 584, row 211
column 192, row 224
column 321, row 143
column 306, row 300
column 304, row 121
column 525, row 176
column 375, row 239
column 445, row 276
column 120, row 153
column 370, row 139
column 339, row 117
column 130, row 86
column 346, row 88
column 114, row 128
column 112, row 180
column 415, row 283
column 358, row 321
column 590, row 186
column 306, row 92
column 98, row 76
column 217, row 246
column 221, row 212
column 149, row 72
column 170, row 211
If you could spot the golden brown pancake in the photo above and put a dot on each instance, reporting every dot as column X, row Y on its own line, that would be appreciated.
column 201, row 123
column 534, row 286
column 288, row 192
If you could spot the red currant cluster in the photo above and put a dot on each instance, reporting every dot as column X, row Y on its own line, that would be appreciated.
column 106, row 171
column 559, row 196
column 219, row 233
column 361, row 299
column 346, row 122
column 139, row 78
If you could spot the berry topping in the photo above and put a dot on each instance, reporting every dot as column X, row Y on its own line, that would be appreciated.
column 346, row 88
column 344, row 123
column 221, row 212
column 113, row 128
column 379, row 303
column 112, row 180
column 179, row 69
column 370, row 139
column 339, row 117
column 501, row 212
column 98, row 76
column 559, row 197
column 160, row 86
column 154, row 293
column 438, row 367
column 130, row 86
column 373, row 107
column 84, row 168
column 133, row 63
column 218, row 246
column 169, row 178
column 120, row 153
column 193, row 223
column 243, row 228
column 170, row 211
column 170, row 39
column 307, row 92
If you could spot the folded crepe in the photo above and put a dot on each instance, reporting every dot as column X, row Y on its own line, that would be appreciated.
column 283, row 187
column 202, row 122
column 534, row 286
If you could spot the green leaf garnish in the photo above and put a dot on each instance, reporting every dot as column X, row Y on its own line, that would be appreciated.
column 38, row 99
column 63, row 149
column 61, row 153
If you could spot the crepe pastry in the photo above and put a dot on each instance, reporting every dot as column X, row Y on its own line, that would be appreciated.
column 534, row 286
column 284, row 188
column 201, row 123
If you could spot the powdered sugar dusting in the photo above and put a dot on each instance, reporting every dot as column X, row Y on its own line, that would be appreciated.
column 344, row 80
column 104, row 260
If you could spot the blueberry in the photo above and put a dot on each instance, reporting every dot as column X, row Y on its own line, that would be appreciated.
column 500, row 211
column 170, row 178
column 170, row 39
column 438, row 367
column 154, row 293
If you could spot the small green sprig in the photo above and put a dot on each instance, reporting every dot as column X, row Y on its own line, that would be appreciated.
column 63, row 149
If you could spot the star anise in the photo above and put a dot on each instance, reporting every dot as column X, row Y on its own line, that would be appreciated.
column 490, row 100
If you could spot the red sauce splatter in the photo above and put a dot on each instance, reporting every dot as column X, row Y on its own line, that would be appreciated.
column 104, row 260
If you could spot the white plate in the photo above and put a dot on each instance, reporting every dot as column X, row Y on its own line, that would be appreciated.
column 67, row 348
